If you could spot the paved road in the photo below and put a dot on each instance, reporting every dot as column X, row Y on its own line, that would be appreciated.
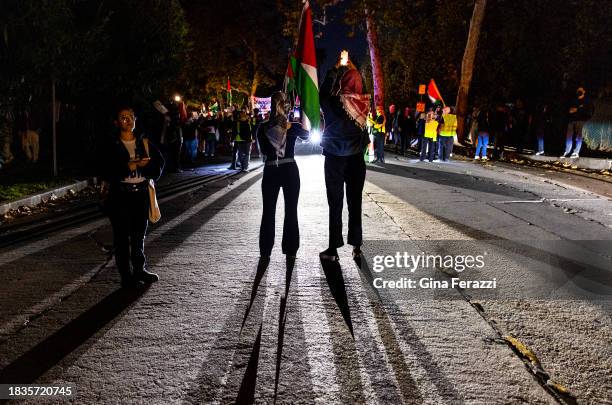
column 219, row 328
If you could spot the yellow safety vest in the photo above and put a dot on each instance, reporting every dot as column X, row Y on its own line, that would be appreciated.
column 431, row 129
column 449, row 128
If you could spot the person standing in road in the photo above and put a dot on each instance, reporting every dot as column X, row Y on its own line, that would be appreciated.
column 277, row 138
column 127, row 162
column 243, row 137
column 344, row 141
column 580, row 111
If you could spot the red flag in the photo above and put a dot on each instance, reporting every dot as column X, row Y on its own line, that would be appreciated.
column 434, row 93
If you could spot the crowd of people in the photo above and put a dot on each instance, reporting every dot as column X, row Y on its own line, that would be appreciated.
column 192, row 136
column 433, row 133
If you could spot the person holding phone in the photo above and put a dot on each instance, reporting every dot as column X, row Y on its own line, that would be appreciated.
column 277, row 137
column 127, row 163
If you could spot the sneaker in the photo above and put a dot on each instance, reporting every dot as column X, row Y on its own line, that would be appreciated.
column 231, row 168
column 564, row 155
column 539, row 153
column 329, row 254
column 145, row 276
column 574, row 155
column 484, row 158
column 476, row 157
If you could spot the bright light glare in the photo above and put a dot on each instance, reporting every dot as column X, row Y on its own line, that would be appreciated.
column 315, row 136
column 177, row 98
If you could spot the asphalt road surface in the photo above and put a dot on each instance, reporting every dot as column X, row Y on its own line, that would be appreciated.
column 220, row 328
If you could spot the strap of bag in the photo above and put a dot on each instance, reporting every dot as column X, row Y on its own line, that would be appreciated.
column 145, row 142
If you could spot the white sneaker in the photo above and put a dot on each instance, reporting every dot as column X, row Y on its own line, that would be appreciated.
column 476, row 157
column 539, row 153
column 484, row 158
column 574, row 155
column 564, row 155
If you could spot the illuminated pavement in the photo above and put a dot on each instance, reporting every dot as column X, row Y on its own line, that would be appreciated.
column 218, row 329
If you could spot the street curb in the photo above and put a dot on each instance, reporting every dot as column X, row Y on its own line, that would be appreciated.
column 36, row 199
column 598, row 164
column 580, row 162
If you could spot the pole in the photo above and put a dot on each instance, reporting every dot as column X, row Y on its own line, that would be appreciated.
column 53, row 117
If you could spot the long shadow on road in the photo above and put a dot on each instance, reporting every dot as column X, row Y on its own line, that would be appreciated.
column 75, row 334
column 35, row 362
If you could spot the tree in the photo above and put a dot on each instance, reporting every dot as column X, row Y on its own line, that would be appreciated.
column 467, row 66
column 377, row 71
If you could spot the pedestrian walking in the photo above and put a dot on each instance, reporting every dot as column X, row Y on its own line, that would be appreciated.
column 127, row 162
column 344, row 141
column 580, row 111
column 277, row 139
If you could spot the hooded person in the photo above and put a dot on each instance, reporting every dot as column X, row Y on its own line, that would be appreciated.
column 344, row 140
column 277, row 137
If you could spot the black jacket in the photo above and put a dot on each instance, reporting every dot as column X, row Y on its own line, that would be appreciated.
column 584, row 109
column 342, row 136
column 113, row 160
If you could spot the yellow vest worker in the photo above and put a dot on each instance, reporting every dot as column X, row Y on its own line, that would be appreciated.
column 449, row 127
column 431, row 129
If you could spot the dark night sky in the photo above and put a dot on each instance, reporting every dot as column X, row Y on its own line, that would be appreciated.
column 335, row 38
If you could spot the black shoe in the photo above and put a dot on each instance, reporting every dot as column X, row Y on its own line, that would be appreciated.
column 329, row 254
column 145, row 276
column 357, row 253
column 130, row 283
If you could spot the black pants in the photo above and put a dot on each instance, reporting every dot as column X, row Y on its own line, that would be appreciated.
column 445, row 146
column 287, row 177
column 234, row 154
column 338, row 171
column 427, row 149
column 129, row 216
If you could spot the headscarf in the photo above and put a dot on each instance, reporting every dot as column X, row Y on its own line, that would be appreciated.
column 278, row 123
column 356, row 104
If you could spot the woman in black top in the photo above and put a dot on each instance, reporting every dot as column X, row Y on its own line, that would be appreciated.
column 277, row 142
column 127, row 164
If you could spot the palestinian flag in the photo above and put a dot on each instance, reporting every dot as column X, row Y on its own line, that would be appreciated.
column 307, row 84
column 434, row 93
column 229, row 93
column 214, row 108
column 290, row 75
